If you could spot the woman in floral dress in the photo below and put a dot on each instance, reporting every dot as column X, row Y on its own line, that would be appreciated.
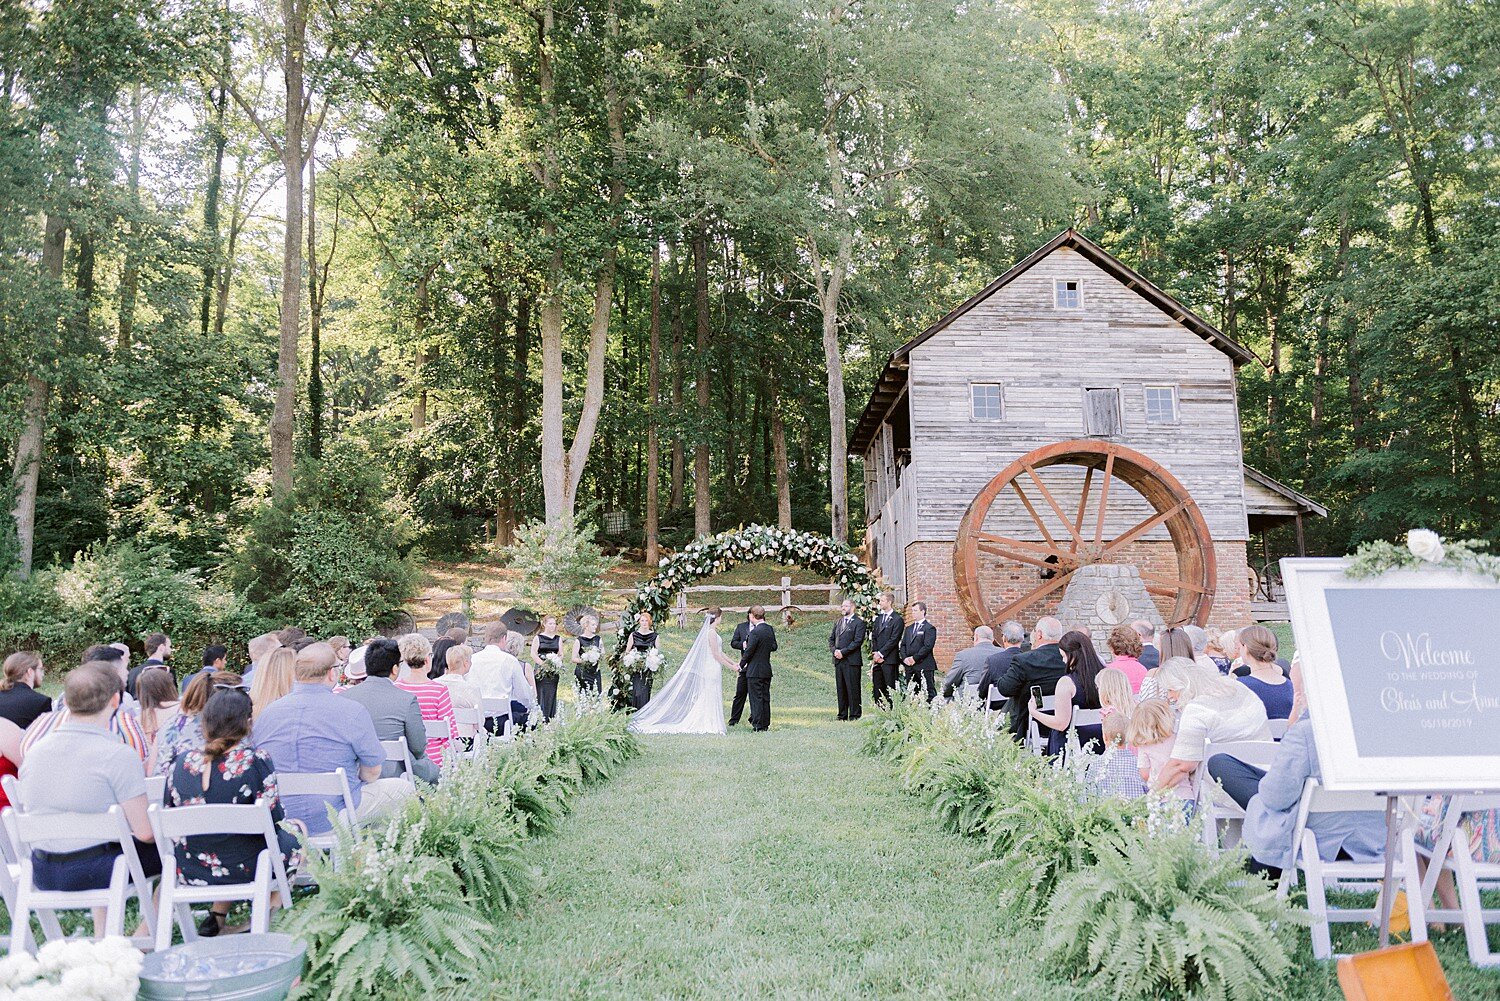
column 226, row 770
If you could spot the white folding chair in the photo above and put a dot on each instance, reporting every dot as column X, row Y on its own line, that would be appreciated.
column 1279, row 727
column 10, row 872
column 327, row 785
column 1350, row 875
column 216, row 818
column 490, row 709
column 156, row 788
column 1451, row 851
column 1034, row 739
column 28, row 830
column 396, row 750
column 470, row 726
column 1215, row 806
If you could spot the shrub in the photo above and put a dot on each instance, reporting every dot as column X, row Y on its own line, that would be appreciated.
column 457, row 824
column 560, row 565
column 1161, row 917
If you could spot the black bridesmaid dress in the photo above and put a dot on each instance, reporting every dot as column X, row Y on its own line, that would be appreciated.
column 641, row 679
column 546, row 688
column 588, row 675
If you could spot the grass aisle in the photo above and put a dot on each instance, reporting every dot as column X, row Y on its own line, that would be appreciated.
column 780, row 864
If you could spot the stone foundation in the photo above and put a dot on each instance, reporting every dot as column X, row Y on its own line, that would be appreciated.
column 929, row 578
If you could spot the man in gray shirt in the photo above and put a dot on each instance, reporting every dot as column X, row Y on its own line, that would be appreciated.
column 969, row 665
column 396, row 713
column 81, row 767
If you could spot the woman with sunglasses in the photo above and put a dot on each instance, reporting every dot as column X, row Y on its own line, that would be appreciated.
column 185, row 731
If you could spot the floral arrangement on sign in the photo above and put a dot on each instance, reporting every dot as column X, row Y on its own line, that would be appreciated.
column 1424, row 548
column 549, row 666
column 717, row 553
column 73, row 970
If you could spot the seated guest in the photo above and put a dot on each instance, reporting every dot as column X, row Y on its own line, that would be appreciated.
column 313, row 730
column 1012, row 638
column 1271, row 799
column 523, row 701
column 124, row 725
column 432, row 697
column 260, row 648
column 159, row 701
column 83, row 768
column 1222, row 649
column 121, row 659
column 1171, row 642
column 1149, row 656
column 457, row 636
column 20, row 702
column 396, row 714
column 226, row 770
column 184, row 732
column 1078, row 689
column 1198, row 636
column 10, row 754
column 354, row 669
column 290, row 636
column 158, row 649
column 341, row 649
column 1040, row 667
column 1213, row 708
column 1152, row 731
column 494, row 671
column 971, row 665
column 273, row 678
column 1257, row 652
column 215, row 657
column 462, row 692
column 1125, row 655
column 1118, row 772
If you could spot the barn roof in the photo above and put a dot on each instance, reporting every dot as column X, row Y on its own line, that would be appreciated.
column 892, row 381
column 1284, row 503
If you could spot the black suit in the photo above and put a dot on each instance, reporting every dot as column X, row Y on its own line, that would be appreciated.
column 1042, row 667
column 885, row 639
column 760, row 643
column 1150, row 657
column 847, row 638
column 917, row 644
column 741, row 689
column 994, row 670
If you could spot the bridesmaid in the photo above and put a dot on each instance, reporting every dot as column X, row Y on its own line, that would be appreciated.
column 587, row 675
column 642, row 638
column 544, row 642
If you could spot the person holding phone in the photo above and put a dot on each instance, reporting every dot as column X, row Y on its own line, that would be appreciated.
column 1033, row 674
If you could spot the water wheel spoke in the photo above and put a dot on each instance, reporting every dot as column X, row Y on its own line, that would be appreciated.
column 1051, row 501
column 1031, row 510
column 1083, row 505
column 1109, row 471
column 1171, row 585
column 986, row 540
column 994, row 549
column 1142, row 527
column 1035, row 594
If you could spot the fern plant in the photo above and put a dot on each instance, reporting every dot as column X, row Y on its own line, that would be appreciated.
column 485, row 849
column 1157, row 917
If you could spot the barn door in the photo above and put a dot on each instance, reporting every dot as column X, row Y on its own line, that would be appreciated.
column 1101, row 413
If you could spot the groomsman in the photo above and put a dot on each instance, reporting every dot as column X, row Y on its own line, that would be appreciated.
column 846, row 642
column 885, row 640
column 741, row 684
column 917, row 644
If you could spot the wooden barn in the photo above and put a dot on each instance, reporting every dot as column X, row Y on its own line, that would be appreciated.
column 1068, row 419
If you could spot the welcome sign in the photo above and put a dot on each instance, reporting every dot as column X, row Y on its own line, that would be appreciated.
column 1402, row 676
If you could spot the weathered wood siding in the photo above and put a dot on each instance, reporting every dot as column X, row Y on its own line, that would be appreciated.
column 1044, row 358
column 890, row 510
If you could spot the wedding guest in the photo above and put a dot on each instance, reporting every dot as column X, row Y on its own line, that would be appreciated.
column 396, row 714
column 1151, row 734
column 971, row 665
column 1198, row 636
column 260, row 648
column 1170, row 642
column 273, row 678
column 1213, row 708
column 588, row 675
column 1271, row 799
column 1040, row 667
column 1125, row 655
column 117, row 656
column 354, row 670
column 523, row 705
column 642, row 640
column 215, row 658
column 462, row 691
column 1118, row 772
column 885, row 642
column 313, row 730
column 158, row 649
column 1257, row 652
column 83, row 768
column 493, row 671
column 123, row 725
column 159, row 702
column 20, row 702
column 1222, row 648
column 432, row 698
column 1012, row 638
column 1116, row 700
column 226, row 770
column 1149, row 656
column 341, row 649
column 10, row 754
column 438, row 665
column 185, row 730
column 544, row 644
column 290, row 636
column 1078, row 689
column 917, row 645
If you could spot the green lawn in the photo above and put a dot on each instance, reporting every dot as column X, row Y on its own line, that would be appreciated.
column 788, row 865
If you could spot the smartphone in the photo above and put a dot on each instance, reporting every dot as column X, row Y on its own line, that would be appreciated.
column 1036, row 695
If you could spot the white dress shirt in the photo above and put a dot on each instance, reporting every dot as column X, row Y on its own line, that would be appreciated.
column 492, row 671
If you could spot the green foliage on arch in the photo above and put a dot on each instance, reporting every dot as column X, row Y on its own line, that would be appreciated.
column 717, row 553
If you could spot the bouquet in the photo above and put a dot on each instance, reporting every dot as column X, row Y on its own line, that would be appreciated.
column 590, row 656
column 654, row 660
column 632, row 660
column 73, row 970
column 549, row 666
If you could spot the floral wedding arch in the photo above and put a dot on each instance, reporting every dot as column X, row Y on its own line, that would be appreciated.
column 717, row 553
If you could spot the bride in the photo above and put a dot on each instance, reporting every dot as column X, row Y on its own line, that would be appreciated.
column 693, row 701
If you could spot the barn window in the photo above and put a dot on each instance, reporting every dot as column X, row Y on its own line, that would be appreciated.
column 1101, row 412
column 1069, row 295
column 1161, row 404
column 984, row 401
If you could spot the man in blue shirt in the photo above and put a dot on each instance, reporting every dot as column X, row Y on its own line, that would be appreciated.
column 313, row 730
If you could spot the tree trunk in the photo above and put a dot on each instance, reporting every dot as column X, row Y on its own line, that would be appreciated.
column 702, row 501
column 778, row 453
column 419, row 323
column 27, row 469
column 315, row 293
column 679, row 456
column 130, row 271
column 219, row 138
column 653, row 386
column 284, row 410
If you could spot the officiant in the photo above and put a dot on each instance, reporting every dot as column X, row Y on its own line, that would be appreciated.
column 846, row 642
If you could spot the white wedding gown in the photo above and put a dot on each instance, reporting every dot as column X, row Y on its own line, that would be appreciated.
column 693, row 701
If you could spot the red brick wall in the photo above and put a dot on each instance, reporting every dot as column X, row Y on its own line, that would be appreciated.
column 929, row 578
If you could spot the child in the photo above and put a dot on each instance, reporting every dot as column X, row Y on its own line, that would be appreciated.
column 1117, row 772
column 1152, row 732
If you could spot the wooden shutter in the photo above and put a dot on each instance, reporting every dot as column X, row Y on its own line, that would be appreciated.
column 1101, row 412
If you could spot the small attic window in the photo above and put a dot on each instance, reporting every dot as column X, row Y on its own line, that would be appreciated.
column 985, row 401
column 1068, row 294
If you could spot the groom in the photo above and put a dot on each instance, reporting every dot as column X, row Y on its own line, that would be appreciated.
column 760, row 643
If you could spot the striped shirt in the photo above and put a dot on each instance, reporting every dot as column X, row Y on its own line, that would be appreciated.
column 436, row 704
column 121, row 724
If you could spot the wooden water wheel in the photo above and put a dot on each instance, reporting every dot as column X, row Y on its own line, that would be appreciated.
column 1068, row 522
